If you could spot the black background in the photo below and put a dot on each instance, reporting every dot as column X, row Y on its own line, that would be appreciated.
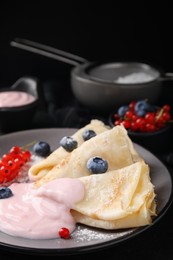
column 97, row 31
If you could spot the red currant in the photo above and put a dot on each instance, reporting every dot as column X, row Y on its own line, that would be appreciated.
column 132, row 105
column 6, row 158
column 140, row 122
column 167, row 108
column 134, row 127
column 150, row 118
column 126, row 124
column 129, row 114
column 116, row 116
column 12, row 162
column 166, row 116
column 15, row 150
column 150, row 127
column 143, row 121
column 26, row 155
column 118, row 122
column 64, row 233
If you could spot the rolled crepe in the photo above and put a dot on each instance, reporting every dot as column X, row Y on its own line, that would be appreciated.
column 123, row 198
column 41, row 168
column 112, row 145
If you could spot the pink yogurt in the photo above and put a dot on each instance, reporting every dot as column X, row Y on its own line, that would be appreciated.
column 40, row 213
column 15, row 98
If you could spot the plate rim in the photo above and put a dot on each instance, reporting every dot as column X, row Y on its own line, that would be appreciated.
column 85, row 248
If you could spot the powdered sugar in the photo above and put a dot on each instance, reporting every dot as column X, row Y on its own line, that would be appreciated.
column 23, row 174
column 138, row 77
column 82, row 234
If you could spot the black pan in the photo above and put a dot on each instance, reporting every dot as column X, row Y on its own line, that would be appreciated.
column 102, row 86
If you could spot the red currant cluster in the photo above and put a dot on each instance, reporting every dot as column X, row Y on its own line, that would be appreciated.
column 140, row 116
column 11, row 163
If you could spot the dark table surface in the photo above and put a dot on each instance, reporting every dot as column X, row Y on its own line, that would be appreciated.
column 157, row 241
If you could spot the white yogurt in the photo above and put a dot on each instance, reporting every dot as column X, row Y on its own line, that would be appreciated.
column 15, row 98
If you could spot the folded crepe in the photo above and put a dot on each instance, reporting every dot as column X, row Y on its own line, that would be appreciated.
column 123, row 198
column 42, row 167
column 112, row 145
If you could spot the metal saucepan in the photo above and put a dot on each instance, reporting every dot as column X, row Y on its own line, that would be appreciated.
column 104, row 86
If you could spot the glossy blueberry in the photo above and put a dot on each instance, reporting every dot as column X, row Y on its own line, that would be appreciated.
column 97, row 165
column 142, row 104
column 68, row 143
column 87, row 134
column 141, row 113
column 142, row 107
column 122, row 110
column 42, row 149
column 5, row 192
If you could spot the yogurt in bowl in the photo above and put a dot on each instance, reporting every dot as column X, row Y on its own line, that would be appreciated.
column 15, row 98
column 19, row 104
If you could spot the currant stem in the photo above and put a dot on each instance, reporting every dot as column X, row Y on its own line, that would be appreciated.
column 28, row 145
column 159, row 114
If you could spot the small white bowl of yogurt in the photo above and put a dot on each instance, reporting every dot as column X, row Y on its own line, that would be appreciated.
column 18, row 104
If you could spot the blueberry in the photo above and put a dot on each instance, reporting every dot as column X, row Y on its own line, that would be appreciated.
column 87, row 134
column 122, row 110
column 42, row 149
column 142, row 104
column 141, row 113
column 97, row 165
column 5, row 192
column 142, row 107
column 68, row 143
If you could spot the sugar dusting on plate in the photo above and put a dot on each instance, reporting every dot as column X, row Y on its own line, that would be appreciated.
column 82, row 234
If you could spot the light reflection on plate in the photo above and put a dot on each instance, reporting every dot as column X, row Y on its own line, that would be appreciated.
column 83, row 239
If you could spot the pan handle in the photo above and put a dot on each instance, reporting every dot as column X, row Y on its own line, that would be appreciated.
column 167, row 76
column 47, row 51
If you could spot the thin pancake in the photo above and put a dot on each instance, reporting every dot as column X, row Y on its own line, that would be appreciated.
column 123, row 198
column 112, row 145
column 40, row 169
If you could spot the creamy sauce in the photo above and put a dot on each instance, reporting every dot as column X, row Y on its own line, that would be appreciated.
column 40, row 213
column 15, row 98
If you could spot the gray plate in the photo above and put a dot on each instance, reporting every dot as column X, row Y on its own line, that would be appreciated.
column 84, row 239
